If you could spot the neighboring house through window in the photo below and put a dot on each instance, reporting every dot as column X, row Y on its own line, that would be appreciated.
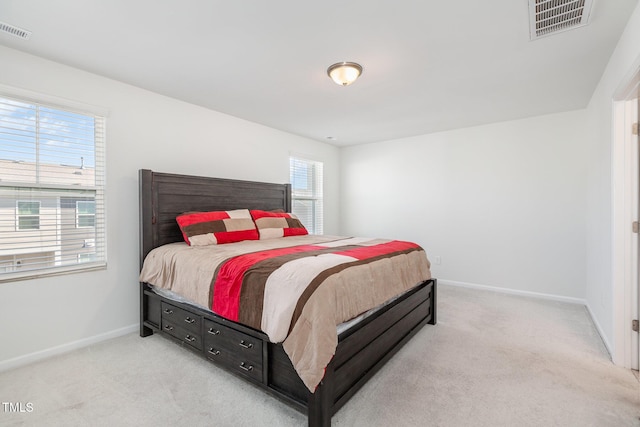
column 306, row 192
column 28, row 215
column 51, row 186
column 85, row 213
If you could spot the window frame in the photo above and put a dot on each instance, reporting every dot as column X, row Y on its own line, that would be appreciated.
column 29, row 215
column 314, row 192
column 83, row 215
column 65, row 260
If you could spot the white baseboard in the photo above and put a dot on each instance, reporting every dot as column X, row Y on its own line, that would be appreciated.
column 600, row 331
column 16, row 362
column 514, row 292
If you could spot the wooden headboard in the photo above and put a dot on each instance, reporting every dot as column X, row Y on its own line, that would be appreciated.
column 164, row 196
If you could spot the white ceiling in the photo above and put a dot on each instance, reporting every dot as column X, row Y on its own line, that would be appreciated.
column 428, row 65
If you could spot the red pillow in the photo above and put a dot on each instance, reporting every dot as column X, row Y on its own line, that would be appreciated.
column 215, row 228
column 277, row 224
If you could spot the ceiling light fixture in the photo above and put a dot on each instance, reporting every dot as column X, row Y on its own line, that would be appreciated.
column 344, row 73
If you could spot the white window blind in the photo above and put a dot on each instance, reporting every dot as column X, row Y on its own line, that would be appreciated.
column 52, row 184
column 306, row 192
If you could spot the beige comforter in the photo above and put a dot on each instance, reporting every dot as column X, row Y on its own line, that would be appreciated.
column 302, row 298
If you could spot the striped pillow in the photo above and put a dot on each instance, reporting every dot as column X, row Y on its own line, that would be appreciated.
column 277, row 224
column 215, row 228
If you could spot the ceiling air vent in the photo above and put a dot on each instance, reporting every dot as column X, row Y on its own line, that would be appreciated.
column 14, row 31
column 548, row 17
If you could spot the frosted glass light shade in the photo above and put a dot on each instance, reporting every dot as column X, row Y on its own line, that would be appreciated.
column 344, row 73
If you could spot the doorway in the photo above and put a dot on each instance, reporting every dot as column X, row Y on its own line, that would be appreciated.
column 626, row 210
column 635, row 134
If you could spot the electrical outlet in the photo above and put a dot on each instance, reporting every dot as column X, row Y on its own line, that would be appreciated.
column 437, row 260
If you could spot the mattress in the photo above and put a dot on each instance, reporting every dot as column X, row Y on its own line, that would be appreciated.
column 342, row 327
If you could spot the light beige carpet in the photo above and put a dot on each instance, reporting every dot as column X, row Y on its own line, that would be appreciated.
column 492, row 360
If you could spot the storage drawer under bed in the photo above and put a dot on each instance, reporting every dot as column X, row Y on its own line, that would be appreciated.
column 181, row 318
column 182, row 324
column 188, row 337
column 235, row 349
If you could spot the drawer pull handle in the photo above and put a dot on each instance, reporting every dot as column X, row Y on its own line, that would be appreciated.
column 213, row 352
column 213, row 331
column 189, row 320
column 168, row 327
column 246, row 368
column 189, row 338
column 168, row 311
column 245, row 345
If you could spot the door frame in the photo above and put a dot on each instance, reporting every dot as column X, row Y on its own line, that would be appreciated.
column 625, row 202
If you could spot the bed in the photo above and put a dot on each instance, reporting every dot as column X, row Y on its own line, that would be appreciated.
column 363, row 345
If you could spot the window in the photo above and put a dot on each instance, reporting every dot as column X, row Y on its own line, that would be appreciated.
column 86, row 258
column 306, row 192
column 85, row 213
column 28, row 215
column 51, row 187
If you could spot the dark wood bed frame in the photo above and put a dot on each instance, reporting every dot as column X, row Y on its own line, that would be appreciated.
column 362, row 349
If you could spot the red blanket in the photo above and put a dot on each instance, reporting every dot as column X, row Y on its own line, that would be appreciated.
column 238, row 288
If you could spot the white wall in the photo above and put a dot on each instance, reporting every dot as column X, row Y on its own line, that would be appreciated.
column 502, row 205
column 523, row 205
column 144, row 130
column 600, row 291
